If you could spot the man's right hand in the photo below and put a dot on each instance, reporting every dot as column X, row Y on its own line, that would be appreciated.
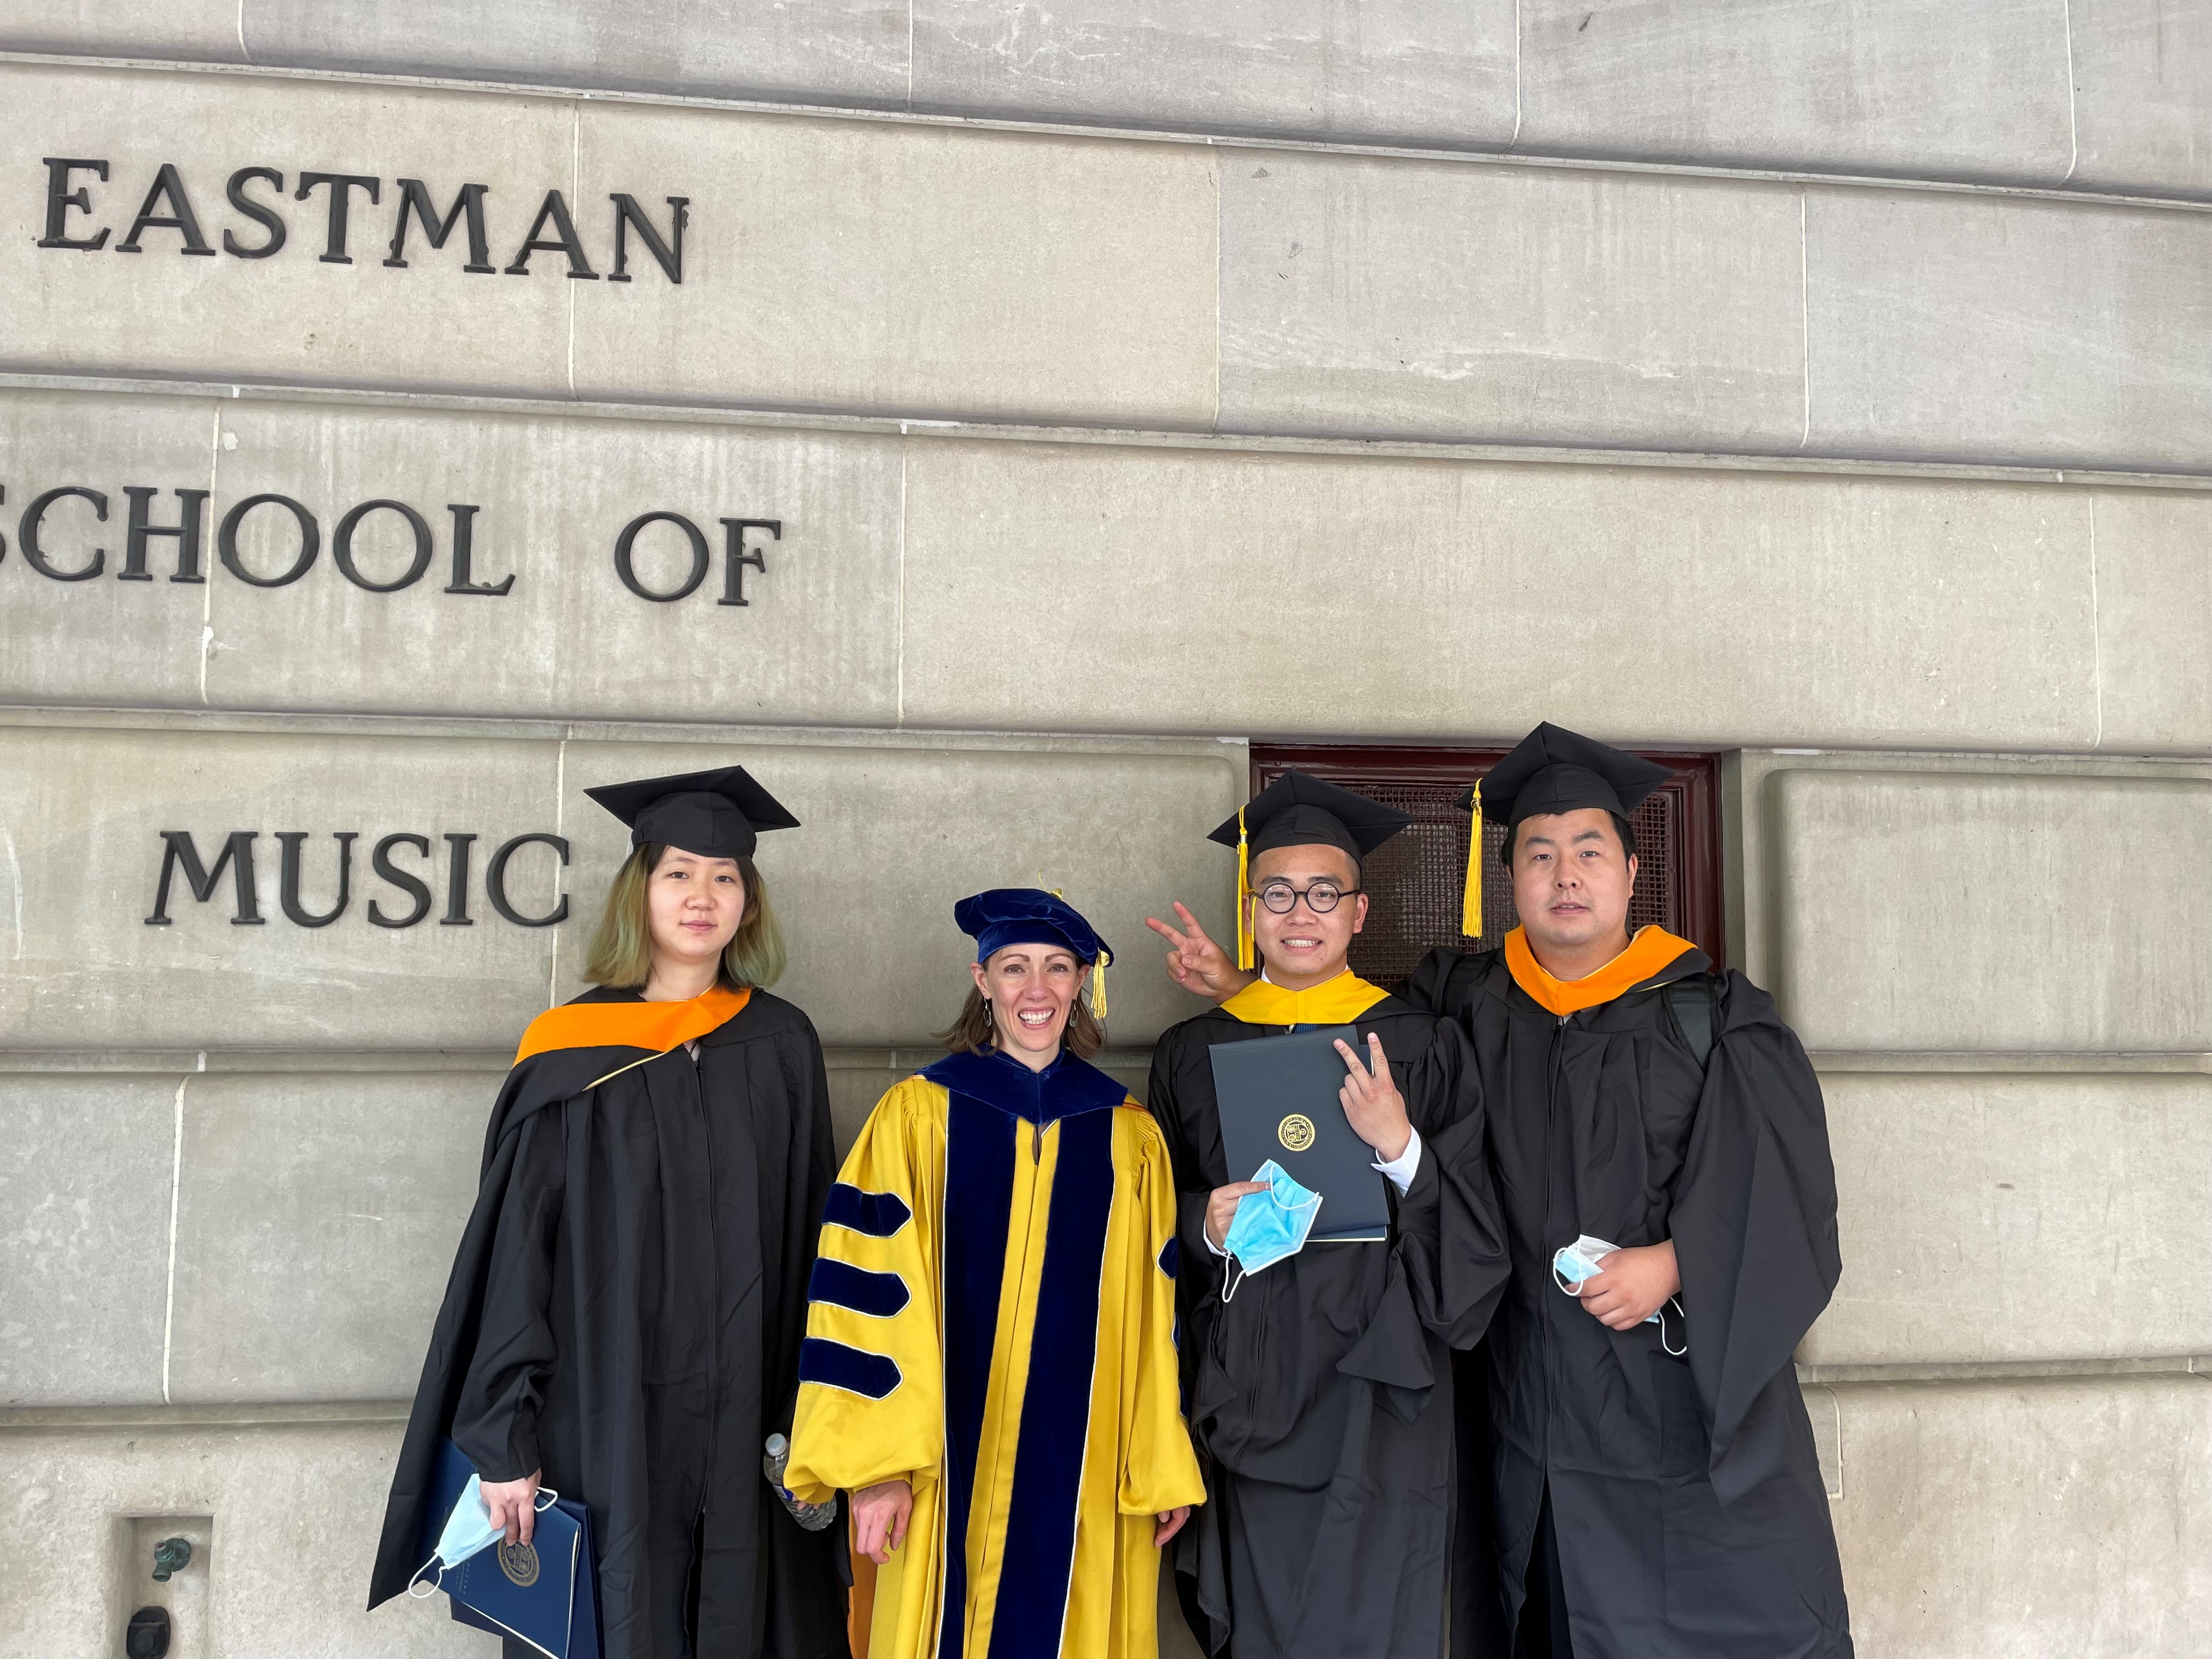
column 880, row 1513
column 1196, row 962
column 1221, row 1209
column 512, row 1506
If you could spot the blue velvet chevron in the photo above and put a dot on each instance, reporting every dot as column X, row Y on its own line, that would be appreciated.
column 877, row 1215
column 841, row 1285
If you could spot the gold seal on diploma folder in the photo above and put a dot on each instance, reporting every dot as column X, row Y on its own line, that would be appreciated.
column 1296, row 1131
column 519, row 1563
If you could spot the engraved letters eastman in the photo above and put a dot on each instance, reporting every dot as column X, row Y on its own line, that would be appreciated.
column 255, row 194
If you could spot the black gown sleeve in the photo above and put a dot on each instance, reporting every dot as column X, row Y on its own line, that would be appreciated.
column 812, row 1168
column 1754, row 1231
column 1429, row 989
column 503, row 1386
column 1451, row 1232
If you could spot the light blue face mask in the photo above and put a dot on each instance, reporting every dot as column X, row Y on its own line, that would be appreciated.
column 1269, row 1225
column 468, row 1531
column 1575, row 1264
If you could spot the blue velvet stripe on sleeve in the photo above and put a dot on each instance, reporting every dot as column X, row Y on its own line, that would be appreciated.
column 878, row 1215
column 841, row 1285
column 835, row 1365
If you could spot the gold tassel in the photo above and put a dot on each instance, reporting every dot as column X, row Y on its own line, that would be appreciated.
column 1470, row 912
column 1244, row 893
column 1098, row 982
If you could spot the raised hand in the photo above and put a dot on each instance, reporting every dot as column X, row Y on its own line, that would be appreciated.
column 1196, row 962
column 1372, row 1104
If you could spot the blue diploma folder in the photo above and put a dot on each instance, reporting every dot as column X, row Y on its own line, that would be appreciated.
column 1277, row 1097
column 545, row 1593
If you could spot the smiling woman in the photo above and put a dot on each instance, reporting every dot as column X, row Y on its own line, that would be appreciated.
column 1014, row 1470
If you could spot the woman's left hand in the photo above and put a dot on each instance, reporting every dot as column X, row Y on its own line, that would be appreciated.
column 1632, row 1286
column 1171, row 1525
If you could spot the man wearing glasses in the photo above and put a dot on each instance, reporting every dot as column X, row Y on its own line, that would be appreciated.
column 1319, row 1386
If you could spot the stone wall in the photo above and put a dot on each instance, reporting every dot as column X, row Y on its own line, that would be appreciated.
column 1071, row 399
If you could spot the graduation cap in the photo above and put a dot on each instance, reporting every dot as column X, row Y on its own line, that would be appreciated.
column 1029, row 915
column 1551, row 770
column 716, row 815
column 1299, row 809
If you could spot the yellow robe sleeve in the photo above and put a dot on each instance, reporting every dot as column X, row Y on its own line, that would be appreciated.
column 871, row 1372
column 1159, row 1469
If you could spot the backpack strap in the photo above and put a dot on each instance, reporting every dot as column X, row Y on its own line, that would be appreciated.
column 1695, row 1002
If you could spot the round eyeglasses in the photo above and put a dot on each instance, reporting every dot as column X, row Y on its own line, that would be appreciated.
column 1281, row 898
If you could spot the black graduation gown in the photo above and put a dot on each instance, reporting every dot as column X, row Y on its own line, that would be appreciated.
column 1320, row 1396
column 625, row 1313
column 1690, row 1516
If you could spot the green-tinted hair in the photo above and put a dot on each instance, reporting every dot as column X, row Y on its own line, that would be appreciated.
column 622, row 947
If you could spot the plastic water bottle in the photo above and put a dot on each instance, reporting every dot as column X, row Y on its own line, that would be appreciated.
column 815, row 1518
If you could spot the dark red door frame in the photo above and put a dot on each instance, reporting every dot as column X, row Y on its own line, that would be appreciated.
column 1695, row 875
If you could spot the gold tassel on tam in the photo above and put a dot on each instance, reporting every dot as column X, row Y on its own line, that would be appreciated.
column 1470, row 913
column 1098, row 982
column 1244, row 895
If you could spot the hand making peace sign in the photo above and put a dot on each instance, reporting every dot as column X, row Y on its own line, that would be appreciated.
column 1196, row 962
column 1372, row 1104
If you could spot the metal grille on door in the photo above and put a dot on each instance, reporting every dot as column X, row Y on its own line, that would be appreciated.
column 1414, row 881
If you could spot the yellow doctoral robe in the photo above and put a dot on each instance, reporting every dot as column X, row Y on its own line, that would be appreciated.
column 993, row 1318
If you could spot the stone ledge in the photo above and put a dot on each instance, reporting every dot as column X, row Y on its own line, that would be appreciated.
column 1470, row 155
column 192, row 1062
column 1224, row 439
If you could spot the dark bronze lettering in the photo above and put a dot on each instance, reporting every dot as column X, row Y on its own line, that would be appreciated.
column 168, row 187
column 342, row 185
column 736, row 556
column 700, row 558
column 342, row 546
column 414, row 886
column 457, row 883
column 668, row 255
column 177, row 853
column 226, row 541
column 34, row 515
column 495, row 881
column 415, row 202
column 556, row 208
column 288, row 887
column 186, row 530
column 464, row 526
column 267, row 217
column 60, row 199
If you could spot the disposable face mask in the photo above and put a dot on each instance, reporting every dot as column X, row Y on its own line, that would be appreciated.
column 1269, row 1225
column 468, row 1531
column 1575, row 1263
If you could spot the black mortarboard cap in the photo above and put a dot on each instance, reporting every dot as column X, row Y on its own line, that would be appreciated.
column 717, row 814
column 1550, row 770
column 1555, row 770
column 1299, row 809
